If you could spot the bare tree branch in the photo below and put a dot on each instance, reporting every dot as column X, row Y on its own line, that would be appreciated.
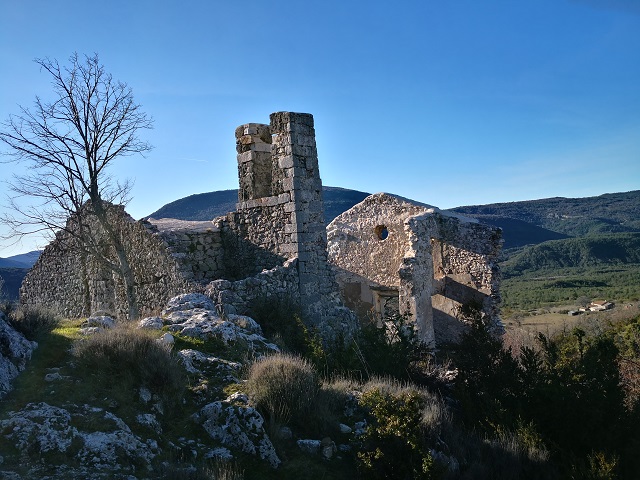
column 67, row 146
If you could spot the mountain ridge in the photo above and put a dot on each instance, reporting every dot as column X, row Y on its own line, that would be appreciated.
column 528, row 222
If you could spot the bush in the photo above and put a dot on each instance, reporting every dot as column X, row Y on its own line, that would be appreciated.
column 401, row 421
column 283, row 387
column 32, row 322
column 133, row 358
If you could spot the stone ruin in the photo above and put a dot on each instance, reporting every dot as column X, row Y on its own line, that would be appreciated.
column 386, row 255
column 394, row 256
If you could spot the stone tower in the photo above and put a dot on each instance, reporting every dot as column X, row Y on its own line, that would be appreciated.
column 279, row 176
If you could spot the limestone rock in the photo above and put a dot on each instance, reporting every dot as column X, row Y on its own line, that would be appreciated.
column 238, row 427
column 151, row 323
column 188, row 301
column 53, row 430
column 309, row 446
column 328, row 448
column 194, row 315
column 167, row 340
column 15, row 352
column 198, row 362
column 345, row 429
column 101, row 321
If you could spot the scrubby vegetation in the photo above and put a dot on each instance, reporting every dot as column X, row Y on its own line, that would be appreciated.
column 583, row 252
column 32, row 323
column 284, row 388
column 129, row 359
column 541, row 288
column 612, row 212
column 564, row 406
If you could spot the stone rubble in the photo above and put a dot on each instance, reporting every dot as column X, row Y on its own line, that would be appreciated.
column 194, row 315
column 99, row 441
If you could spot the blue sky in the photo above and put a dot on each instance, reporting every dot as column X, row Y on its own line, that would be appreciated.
column 449, row 103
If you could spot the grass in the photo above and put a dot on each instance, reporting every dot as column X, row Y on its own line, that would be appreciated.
column 283, row 387
column 53, row 352
column 106, row 371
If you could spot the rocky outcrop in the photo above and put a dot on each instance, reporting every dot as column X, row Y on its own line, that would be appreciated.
column 237, row 425
column 60, row 439
column 194, row 315
column 15, row 352
column 65, row 433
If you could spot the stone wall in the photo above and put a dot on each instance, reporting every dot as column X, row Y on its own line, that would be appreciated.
column 197, row 247
column 273, row 244
column 238, row 297
column 72, row 283
column 435, row 265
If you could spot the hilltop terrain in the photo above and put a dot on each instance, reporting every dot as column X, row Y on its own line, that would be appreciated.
column 185, row 395
column 607, row 213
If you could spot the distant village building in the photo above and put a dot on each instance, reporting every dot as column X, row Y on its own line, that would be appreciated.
column 597, row 306
column 600, row 305
column 386, row 256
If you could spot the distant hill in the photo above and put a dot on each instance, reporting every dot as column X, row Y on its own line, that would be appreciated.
column 518, row 233
column 588, row 251
column 523, row 223
column 12, row 280
column 13, row 270
column 24, row 260
column 575, row 217
column 207, row 206
column 201, row 206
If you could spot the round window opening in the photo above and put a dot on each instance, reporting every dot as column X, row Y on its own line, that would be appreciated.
column 381, row 232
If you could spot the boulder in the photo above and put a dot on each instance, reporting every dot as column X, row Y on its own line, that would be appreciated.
column 100, row 321
column 237, row 426
column 194, row 315
column 151, row 323
column 189, row 301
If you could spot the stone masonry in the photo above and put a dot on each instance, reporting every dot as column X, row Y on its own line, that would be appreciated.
column 395, row 256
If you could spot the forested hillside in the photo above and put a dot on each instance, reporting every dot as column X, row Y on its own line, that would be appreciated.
column 608, row 213
column 590, row 251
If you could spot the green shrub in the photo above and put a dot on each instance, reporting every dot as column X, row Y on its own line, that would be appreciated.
column 402, row 420
column 32, row 322
column 328, row 407
column 507, row 456
column 390, row 349
column 283, row 387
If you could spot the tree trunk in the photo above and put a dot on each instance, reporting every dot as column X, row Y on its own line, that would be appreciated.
column 124, row 268
column 128, row 279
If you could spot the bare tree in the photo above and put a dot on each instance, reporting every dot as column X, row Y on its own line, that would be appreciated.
column 67, row 146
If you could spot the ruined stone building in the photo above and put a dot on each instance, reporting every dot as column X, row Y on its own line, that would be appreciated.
column 384, row 255
column 393, row 256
